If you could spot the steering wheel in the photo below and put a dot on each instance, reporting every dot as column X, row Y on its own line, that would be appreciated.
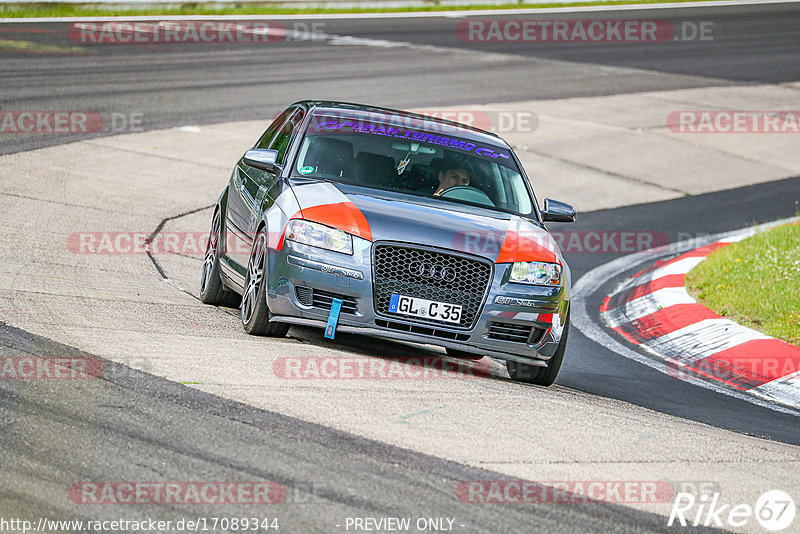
column 468, row 194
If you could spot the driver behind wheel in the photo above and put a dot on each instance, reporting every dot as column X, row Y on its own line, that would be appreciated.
column 452, row 177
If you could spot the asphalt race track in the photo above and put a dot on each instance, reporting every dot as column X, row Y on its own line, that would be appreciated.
column 135, row 425
column 176, row 84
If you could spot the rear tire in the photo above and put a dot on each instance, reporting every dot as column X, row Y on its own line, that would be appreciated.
column 212, row 290
column 541, row 376
column 255, row 312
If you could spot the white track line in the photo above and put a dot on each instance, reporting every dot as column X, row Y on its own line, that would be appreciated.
column 416, row 14
column 346, row 40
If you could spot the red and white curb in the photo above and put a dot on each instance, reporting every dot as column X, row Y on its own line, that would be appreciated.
column 653, row 311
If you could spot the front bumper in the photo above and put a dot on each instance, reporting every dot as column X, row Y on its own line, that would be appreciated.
column 517, row 322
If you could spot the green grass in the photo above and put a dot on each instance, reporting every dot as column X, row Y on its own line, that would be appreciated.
column 755, row 282
column 48, row 9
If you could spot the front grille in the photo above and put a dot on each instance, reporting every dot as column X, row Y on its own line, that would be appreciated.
column 323, row 299
column 516, row 333
column 422, row 330
column 536, row 335
column 305, row 295
column 406, row 271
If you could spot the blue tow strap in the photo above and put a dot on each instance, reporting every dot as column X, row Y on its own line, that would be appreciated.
column 333, row 318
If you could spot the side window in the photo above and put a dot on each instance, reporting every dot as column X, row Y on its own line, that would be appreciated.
column 267, row 136
column 282, row 140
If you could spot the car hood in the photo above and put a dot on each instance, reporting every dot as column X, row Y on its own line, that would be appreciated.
column 384, row 216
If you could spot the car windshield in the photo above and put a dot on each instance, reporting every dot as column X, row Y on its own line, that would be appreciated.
column 429, row 160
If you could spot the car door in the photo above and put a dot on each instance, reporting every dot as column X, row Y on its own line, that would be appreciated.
column 242, row 193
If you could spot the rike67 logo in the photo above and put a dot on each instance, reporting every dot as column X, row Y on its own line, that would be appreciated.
column 774, row 510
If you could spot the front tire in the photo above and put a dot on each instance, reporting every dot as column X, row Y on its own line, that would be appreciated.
column 255, row 312
column 212, row 290
column 541, row 376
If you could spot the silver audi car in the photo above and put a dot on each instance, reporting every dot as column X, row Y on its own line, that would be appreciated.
column 368, row 220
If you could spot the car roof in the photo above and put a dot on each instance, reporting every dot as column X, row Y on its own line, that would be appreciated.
column 367, row 112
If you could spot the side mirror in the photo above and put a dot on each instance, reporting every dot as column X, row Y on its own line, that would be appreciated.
column 556, row 211
column 263, row 159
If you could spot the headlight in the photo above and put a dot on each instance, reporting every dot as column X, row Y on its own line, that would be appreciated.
column 536, row 272
column 319, row 235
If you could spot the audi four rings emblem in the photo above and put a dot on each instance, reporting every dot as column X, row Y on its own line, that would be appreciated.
column 429, row 270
